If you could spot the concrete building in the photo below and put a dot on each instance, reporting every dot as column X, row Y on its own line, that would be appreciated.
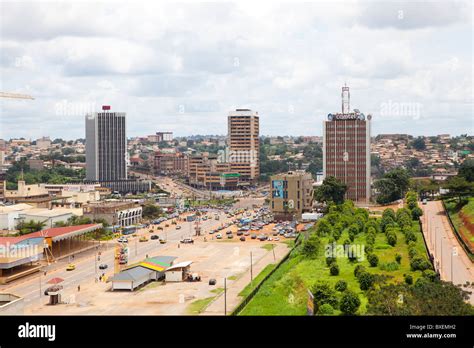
column 164, row 136
column 106, row 146
column 35, row 164
column 292, row 195
column 43, row 143
column 11, row 304
column 116, row 213
column 244, row 146
column 346, row 149
column 170, row 163
column 206, row 171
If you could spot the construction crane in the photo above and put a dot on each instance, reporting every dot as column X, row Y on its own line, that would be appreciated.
column 15, row 96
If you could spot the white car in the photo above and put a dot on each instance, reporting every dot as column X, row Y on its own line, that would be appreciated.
column 219, row 236
column 122, row 240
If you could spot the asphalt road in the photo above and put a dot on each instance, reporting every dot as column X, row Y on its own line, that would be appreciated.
column 449, row 257
column 87, row 267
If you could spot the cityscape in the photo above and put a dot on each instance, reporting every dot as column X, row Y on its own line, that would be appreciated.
column 152, row 193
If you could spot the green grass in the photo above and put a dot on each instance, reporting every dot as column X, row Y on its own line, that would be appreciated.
column 198, row 306
column 454, row 213
column 234, row 277
column 268, row 246
column 217, row 291
column 248, row 289
column 285, row 292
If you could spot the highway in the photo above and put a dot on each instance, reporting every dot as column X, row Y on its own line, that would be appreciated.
column 449, row 257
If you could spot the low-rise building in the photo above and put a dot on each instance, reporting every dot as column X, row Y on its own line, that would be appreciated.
column 292, row 194
column 116, row 213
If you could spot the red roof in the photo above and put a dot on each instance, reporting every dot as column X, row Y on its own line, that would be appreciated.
column 49, row 232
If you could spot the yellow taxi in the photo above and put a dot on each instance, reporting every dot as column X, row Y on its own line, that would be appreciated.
column 71, row 267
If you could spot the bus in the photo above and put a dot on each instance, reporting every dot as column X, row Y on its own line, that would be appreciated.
column 190, row 217
column 129, row 230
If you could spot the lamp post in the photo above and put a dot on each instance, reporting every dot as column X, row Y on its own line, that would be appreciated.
column 225, row 296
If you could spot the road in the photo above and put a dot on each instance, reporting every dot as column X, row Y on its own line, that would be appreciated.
column 87, row 267
column 449, row 257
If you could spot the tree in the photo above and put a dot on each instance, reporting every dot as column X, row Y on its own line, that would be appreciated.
column 419, row 144
column 466, row 170
column 151, row 211
column 373, row 260
column 459, row 187
column 29, row 226
column 311, row 246
column 323, row 228
column 334, row 269
column 324, row 293
column 392, row 186
column 366, row 280
column 349, row 303
column 341, row 285
column 332, row 190
column 325, row 309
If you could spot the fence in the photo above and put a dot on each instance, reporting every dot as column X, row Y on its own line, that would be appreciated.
column 250, row 296
column 457, row 234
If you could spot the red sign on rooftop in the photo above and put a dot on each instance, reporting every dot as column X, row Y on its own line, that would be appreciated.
column 105, row 107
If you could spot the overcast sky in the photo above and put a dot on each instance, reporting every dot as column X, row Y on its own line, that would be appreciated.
column 182, row 68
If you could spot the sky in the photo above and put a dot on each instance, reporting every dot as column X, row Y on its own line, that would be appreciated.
column 182, row 67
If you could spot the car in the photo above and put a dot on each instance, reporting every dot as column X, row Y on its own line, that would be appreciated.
column 122, row 240
column 276, row 239
column 154, row 237
column 71, row 267
column 103, row 266
column 424, row 202
column 230, row 236
column 246, row 233
column 178, row 227
column 269, row 239
column 242, row 239
column 212, row 281
column 240, row 233
column 219, row 236
column 162, row 241
column 253, row 236
column 143, row 239
column 187, row 241
column 212, row 232
column 228, row 232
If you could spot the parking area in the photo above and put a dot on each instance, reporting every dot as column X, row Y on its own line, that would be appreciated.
column 211, row 259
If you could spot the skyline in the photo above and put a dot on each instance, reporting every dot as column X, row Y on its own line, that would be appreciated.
column 169, row 73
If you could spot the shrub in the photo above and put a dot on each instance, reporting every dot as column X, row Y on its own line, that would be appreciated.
column 358, row 270
column 416, row 213
column 341, row 286
column 324, row 293
column 389, row 266
column 430, row 274
column 350, row 303
column 419, row 263
column 391, row 238
column 325, row 309
column 334, row 269
column 412, row 252
column 330, row 260
column 370, row 239
column 373, row 260
column 398, row 258
column 408, row 279
column 311, row 246
column 368, row 249
column 366, row 280
column 410, row 237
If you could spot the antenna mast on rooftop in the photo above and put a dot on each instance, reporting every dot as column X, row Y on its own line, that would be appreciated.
column 346, row 99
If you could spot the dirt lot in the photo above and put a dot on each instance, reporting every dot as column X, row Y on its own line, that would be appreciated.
column 212, row 259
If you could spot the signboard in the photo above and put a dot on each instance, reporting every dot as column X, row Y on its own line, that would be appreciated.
column 277, row 188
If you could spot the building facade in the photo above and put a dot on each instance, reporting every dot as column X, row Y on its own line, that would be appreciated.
column 106, row 146
column 170, row 163
column 206, row 171
column 124, row 213
column 292, row 195
column 346, row 149
column 243, row 144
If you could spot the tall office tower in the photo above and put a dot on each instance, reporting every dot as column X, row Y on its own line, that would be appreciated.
column 244, row 147
column 346, row 149
column 106, row 146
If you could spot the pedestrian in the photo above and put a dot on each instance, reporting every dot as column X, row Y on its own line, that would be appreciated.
column 78, row 288
column 100, row 278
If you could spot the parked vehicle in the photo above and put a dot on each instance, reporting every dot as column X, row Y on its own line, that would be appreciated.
column 242, row 239
column 103, row 266
column 253, row 236
column 154, row 237
column 212, row 281
column 230, row 236
column 219, row 236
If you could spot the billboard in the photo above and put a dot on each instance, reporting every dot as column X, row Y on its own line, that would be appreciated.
column 277, row 186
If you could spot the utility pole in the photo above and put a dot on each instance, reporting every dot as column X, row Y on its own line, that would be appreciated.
column 452, row 254
column 225, row 296
column 251, row 267
column 40, row 271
